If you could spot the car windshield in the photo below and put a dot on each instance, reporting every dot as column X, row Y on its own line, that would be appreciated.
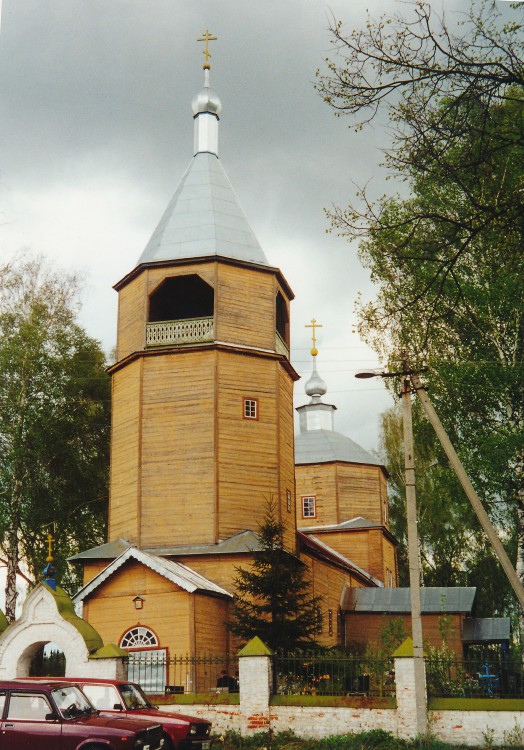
column 133, row 697
column 71, row 701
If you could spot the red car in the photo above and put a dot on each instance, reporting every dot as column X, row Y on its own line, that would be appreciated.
column 122, row 698
column 54, row 715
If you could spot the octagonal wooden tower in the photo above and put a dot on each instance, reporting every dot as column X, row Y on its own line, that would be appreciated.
column 202, row 425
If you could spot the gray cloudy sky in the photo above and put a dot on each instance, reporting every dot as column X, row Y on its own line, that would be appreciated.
column 96, row 131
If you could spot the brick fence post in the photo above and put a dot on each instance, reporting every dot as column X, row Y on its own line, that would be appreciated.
column 255, row 682
column 407, row 705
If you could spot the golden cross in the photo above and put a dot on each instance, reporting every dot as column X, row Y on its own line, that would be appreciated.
column 50, row 540
column 314, row 325
column 206, row 38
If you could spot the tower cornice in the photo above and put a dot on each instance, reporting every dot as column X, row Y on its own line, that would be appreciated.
column 217, row 346
column 205, row 260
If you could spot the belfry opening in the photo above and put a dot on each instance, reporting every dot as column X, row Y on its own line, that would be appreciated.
column 180, row 298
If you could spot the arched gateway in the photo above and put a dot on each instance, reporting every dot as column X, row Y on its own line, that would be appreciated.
column 48, row 616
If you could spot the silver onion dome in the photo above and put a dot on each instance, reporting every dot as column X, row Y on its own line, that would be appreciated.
column 315, row 386
column 206, row 101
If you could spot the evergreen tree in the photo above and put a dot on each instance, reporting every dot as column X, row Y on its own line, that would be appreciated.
column 273, row 598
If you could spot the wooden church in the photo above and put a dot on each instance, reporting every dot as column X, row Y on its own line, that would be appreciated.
column 202, row 435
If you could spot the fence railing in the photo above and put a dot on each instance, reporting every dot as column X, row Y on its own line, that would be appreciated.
column 184, row 674
column 280, row 345
column 501, row 678
column 321, row 674
column 173, row 332
column 326, row 674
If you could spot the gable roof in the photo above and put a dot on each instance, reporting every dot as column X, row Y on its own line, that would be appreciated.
column 175, row 572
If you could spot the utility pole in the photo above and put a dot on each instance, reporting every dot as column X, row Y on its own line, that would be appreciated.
column 413, row 545
column 473, row 498
column 413, row 557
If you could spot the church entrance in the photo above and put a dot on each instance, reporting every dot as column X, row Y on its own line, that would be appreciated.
column 147, row 662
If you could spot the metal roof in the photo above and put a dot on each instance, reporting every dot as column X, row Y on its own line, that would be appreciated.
column 486, row 629
column 204, row 218
column 324, row 446
column 107, row 551
column 354, row 523
column 175, row 572
column 244, row 541
column 390, row 600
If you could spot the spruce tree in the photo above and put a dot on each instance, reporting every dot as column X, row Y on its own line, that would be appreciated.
column 273, row 598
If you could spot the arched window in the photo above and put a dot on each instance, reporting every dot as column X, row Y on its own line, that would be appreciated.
column 147, row 662
column 139, row 637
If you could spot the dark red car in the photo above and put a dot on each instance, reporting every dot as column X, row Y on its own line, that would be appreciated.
column 123, row 698
column 58, row 716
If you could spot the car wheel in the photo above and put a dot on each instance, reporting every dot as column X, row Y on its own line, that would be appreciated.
column 168, row 743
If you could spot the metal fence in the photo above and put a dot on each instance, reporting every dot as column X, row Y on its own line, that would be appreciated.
column 321, row 674
column 503, row 678
column 184, row 674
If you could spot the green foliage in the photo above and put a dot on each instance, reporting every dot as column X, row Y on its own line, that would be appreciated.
column 273, row 598
column 446, row 256
column 376, row 739
column 453, row 553
column 54, row 422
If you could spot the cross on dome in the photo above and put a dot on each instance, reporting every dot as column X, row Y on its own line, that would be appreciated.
column 314, row 325
column 206, row 37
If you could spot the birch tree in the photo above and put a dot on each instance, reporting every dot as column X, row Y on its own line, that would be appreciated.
column 54, row 421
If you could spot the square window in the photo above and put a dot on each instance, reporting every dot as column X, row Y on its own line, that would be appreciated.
column 250, row 408
column 308, row 507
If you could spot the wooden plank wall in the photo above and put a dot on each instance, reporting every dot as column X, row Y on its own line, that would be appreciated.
column 319, row 480
column 359, row 490
column 132, row 314
column 124, row 493
column 167, row 608
column 178, row 468
column 368, row 628
column 342, row 491
column 286, row 449
column 211, row 636
column 221, row 569
column 249, row 451
column 245, row 311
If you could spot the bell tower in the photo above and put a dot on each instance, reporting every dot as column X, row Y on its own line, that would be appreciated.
column 202, row 426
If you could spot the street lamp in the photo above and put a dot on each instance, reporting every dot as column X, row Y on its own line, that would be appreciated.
column 412, row 533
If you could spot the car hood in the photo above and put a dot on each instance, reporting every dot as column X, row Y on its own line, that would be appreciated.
column 153, row 714
column 120, row 723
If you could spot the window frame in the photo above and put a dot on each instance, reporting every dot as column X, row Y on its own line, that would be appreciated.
column 303, row 507
column 250, row 400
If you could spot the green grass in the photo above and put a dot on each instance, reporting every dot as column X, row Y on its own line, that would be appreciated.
column 476, row 704
column 189, row 699
column 377, row 739
column 350, row 701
